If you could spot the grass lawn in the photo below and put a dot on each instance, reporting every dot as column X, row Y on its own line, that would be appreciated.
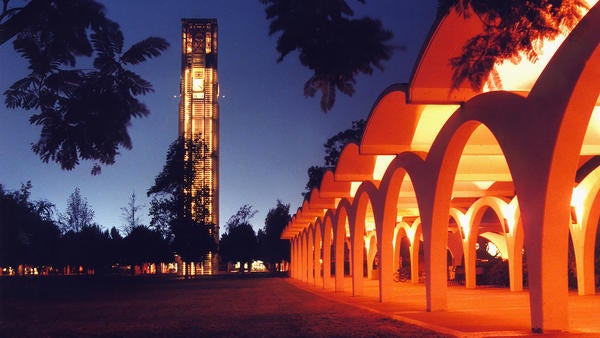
column 162, row 307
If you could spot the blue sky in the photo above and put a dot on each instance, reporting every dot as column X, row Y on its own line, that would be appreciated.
column 270, row 133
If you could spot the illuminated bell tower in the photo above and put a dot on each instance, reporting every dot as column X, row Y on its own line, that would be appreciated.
column 199, row 116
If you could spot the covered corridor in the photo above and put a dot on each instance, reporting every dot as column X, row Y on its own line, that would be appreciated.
column 440, row 167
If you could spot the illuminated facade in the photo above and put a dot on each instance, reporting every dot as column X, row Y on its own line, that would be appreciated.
column 437, row 167
column 199, row 117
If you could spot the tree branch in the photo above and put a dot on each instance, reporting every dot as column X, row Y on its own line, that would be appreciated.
column 18, row 22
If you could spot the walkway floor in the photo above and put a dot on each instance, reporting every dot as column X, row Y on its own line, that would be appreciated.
column 481, row 312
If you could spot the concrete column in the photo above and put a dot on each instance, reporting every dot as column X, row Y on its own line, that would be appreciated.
column 296, row 260
column 470, row 257
column 339, row 261
column 303, row 255
column 318, row 279
column 414, row 260
column 584, row 260
column 515, row 261
column 310, row 266
column 371, row 256
column 327, row 258
column 435, row 235
column 358, row 243
column 292, row 254
column 386, row 264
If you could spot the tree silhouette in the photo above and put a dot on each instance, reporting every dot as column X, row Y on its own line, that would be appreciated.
column 177, row 212
column 273, row 250
column 87, row 248
column 116, row 248
column 333, row 149
column 337, row 48
column 130, row 214
column 143, row 245
column 510, row 29
column 83, row 113
column 336, row 143
column 192, row 240
column 333, row 46
column 79, row 213
column 315, row 176
column 242, row 216
column 239, row 243
column 27, row 235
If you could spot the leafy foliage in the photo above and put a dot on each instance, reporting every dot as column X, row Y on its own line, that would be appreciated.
column 333, row 149
column 130, row 214
column 315, row 176
column 79, row 213
column 143, row 245
column 511, row 28
column 29, row 236
column 87, row 248
column 26, row 233
column 333, row 46
column 83, row 114
column 336, row 143
column 176, row 212
column 273, row 250
column 239, row 243
column 242, row 216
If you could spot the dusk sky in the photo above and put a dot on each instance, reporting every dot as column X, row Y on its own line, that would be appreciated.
column 270, row 133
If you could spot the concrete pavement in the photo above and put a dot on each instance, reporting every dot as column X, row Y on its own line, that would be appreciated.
column 480, row 312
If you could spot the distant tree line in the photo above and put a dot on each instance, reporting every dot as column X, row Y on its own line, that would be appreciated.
column 35, row 238
column 240, row 244
column 31, row 237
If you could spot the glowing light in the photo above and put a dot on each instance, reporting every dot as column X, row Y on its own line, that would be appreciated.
column 509, row 212
column 464, row 221
column 381, row 164
column 483, row 185
column 258, row 266
column 492, row 249
column 354, row 187
column 577, row 204
column 410, row 232
column 430, row 122
column 496, row 245
column 208, row 43
column 591, row 141
column 198, row 85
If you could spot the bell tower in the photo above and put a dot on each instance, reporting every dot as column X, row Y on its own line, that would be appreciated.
column 199, row 118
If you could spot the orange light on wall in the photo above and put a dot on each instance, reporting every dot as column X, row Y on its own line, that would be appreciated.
column 577, row 205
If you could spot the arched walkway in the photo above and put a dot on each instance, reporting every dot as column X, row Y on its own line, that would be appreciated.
column 507, row 156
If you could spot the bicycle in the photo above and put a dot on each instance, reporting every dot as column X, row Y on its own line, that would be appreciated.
column 401, row 275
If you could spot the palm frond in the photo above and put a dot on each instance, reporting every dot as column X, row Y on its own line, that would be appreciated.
column 108, row 43
column 136, row 84
column 145, row 49
column 327, row 96
column 31, row 48
column 21, row 95
column 64, row 81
